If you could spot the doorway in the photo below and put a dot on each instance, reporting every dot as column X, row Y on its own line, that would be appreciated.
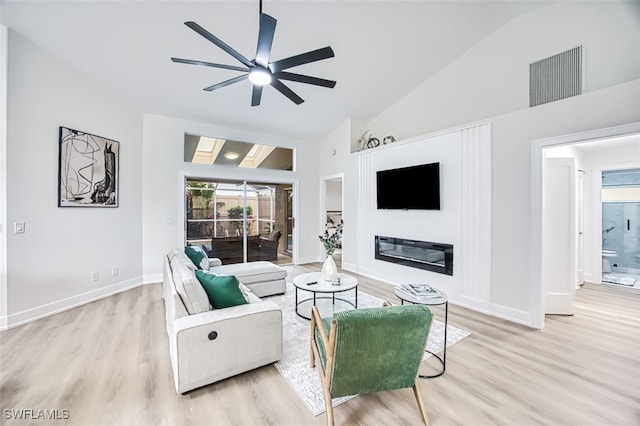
column 614, row 140
column 240, row 221
column 332, row 203
column 621, row 227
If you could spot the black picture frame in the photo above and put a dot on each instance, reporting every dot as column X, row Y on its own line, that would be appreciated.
column 88, row 170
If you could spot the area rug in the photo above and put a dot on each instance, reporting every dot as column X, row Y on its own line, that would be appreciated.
column 619, row 279
column 294, row 365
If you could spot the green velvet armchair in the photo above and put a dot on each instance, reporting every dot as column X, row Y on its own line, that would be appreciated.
column 370, row 350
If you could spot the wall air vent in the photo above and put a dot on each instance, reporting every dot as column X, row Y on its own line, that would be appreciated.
column 556, row 77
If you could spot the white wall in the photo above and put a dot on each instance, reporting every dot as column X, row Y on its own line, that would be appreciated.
column 330, row 165
column 512, row 176
column 464, row 219
column 492, row 78
column 441, row 226
column 488, row 80
column 4, row 43
column 163, row 185
column 49, row 266
column 333, row 195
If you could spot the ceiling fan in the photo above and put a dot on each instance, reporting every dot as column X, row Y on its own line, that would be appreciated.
column 261, row 71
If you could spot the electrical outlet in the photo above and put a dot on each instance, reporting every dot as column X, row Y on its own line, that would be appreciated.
column 94, row 276
column 115, row 271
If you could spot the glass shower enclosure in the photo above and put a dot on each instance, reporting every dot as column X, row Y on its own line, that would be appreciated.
column 621, row 221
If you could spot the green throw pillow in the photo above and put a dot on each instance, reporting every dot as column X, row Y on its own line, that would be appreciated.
column 198, row 256
column 223, row 290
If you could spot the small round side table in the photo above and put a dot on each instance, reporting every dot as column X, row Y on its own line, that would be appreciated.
column 312, row 282
column 442, row 300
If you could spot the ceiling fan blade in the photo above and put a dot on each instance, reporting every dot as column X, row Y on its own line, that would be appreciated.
column 256, row 95
column 303, row 58
column 305, row 79
column 226, row 83
column 208, row 64
column 221, row 44
column 282, row 88
column 265, row 39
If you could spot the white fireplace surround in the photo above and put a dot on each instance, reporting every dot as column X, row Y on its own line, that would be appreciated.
column 464, row 220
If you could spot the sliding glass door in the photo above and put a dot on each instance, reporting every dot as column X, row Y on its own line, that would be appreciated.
column 239, row 221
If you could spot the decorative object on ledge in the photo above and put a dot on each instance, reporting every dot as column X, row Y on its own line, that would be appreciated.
column 388, row 139
column 331, row 241
column 362, row 142
column 88, row 168
column 368, row 141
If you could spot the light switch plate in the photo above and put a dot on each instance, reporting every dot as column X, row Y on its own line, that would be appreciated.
column 18, row 227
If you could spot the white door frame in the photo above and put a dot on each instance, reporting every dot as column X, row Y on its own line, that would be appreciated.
column 537, row 289
column 580, row 228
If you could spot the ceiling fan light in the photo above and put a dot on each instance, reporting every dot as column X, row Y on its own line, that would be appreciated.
column 259, row 76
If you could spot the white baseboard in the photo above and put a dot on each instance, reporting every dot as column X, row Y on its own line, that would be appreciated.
column 350, row 267
column 499, row 311
column 309, row 259
column 152, row 279
column 511, row 314
column 49, row 309
column 471, row 304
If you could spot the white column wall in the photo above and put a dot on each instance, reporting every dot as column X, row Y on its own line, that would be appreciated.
column 464, row 219
column 475, row 217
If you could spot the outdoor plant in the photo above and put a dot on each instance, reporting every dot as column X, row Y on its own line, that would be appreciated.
column 237, row 213
column 331, row 239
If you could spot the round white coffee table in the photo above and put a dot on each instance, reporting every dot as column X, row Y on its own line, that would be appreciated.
column 313, row 283
column 443, row 300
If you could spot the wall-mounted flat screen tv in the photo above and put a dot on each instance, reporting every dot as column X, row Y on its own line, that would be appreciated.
column 409, row 188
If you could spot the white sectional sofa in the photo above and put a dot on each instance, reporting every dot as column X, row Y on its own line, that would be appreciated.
column 263, row 278
column 207, row 345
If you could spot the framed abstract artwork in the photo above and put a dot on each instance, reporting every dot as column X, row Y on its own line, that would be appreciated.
column 88, row 167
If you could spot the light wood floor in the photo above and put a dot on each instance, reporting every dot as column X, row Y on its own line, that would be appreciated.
column 107, row 363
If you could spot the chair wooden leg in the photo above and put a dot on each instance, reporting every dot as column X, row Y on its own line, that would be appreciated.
column 312, row 340
column 423, row 411
column 328, row 402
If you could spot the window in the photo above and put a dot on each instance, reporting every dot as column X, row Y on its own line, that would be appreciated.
column 207, row 150
column 239, row 221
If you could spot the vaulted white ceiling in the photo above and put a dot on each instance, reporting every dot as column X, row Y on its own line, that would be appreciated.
column 383, row 50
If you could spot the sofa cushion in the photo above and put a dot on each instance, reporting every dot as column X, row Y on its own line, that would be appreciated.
column 193, row 296
column 198, row 256
column 223, row 290
column 252, row 272
column 274, row 236
column 179, row 257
